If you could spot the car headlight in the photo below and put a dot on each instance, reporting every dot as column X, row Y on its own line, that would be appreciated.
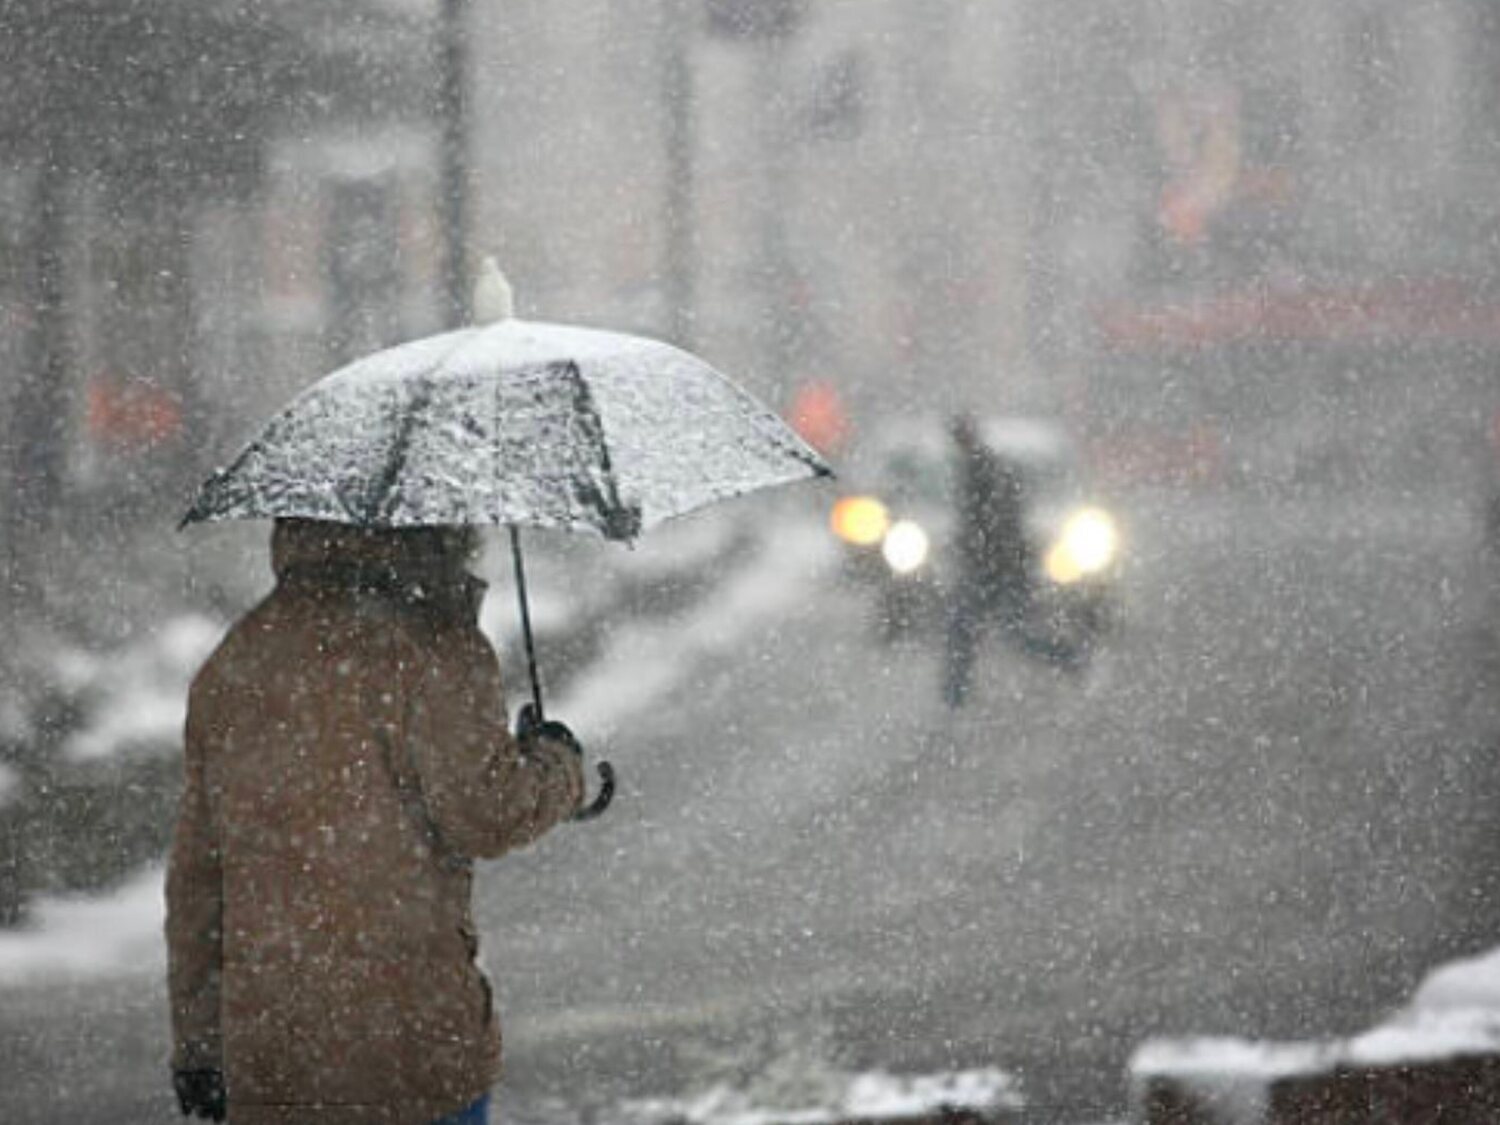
column 906, row 546
column 1088, row 544
column 860, row 520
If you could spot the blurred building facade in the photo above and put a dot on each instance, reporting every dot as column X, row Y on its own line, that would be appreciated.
column 186, row 220
column 1207, row 144
column 855, row 212
column 1263, row 254
column 916, row 206
column 929, row 205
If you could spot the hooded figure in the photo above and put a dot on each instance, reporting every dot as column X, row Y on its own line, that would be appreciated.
column 347, row 758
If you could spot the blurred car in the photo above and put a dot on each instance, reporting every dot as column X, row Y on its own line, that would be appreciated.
column 898, row 524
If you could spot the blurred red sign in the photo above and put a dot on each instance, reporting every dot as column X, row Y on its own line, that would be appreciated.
column 131, row 413
column 817, row 414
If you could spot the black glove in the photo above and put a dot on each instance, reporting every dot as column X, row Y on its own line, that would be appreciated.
column 200, row 1093
column 527, row 727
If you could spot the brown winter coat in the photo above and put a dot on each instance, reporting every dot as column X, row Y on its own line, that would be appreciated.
column 347, row 755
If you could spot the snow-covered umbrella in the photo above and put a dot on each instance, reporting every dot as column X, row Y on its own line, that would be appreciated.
column 517, row 423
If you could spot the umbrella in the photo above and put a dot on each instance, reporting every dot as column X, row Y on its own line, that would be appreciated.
column 515, row 423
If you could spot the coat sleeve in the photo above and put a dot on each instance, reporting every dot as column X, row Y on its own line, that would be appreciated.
column 195, row 907
column 485, row 791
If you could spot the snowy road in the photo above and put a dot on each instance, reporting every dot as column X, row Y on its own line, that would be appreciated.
column 1266, row 813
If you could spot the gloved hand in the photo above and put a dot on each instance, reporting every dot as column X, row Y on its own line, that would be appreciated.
column 527, row 727
column 200, row 1093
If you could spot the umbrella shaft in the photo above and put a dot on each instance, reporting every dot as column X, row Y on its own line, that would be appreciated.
column 536, row 680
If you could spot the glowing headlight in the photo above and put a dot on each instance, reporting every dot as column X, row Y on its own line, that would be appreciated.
column 861, row 520
column 906, row 546
column 1087, row 545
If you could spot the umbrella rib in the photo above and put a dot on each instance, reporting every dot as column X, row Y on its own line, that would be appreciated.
column 794, row 448
column 383, row 492
column 203, row 503
column 208, row 497
column 621, row 520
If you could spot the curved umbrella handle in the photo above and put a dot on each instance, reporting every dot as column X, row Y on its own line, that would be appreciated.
column 601, row 799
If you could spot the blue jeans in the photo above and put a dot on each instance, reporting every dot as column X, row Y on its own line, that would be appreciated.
column 476, row 1114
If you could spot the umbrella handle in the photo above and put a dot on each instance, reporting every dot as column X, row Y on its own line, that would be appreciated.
column 536, row 679
column 606, row 792
column 601, row 799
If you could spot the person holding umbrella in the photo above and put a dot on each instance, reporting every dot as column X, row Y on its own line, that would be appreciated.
column 347, row 760
column 347, row 751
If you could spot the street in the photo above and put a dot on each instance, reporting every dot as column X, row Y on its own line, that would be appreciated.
column 1264, row 812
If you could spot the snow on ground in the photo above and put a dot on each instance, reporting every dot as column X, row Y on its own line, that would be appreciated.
column 89, row 937
column 1455, row 1012
column 79, row 936
column 646, row 661
column 137, row 700
column 872, row 1096
column 1473, row 983
column 589, row 579
column 140, row 693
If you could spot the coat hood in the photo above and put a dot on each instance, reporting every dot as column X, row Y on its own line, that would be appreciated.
column 420, row 565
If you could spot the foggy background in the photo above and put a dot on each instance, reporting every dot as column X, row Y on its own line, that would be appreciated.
column 1175, row 223
column 1244, row 251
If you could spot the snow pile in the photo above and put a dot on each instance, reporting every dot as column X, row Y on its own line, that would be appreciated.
column 137, row 698
column 1454, row 1013
column 1229, row 1077
column 644, row 663
column 578, row 585
column 1461, row 986
column 879, row 1095
column 688, row 546
column 1211, row 1058
column 872, row 1096
column 77, row 936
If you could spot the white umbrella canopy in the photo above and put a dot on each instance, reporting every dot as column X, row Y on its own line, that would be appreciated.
column 516, row 422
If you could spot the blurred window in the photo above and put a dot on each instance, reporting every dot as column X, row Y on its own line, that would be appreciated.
column 754, row 19
column 837, row 111
column 1375, row 76
column 363, row 263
